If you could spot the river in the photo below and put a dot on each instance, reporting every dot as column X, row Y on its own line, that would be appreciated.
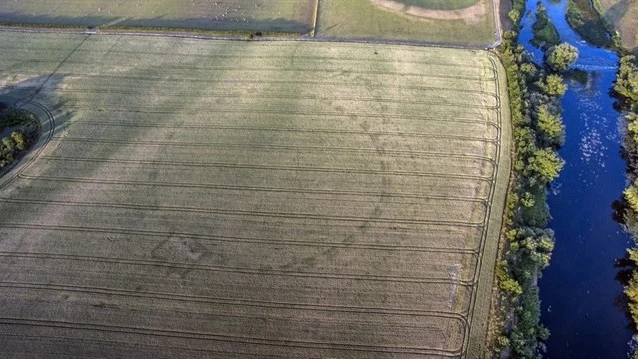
column 579, row 291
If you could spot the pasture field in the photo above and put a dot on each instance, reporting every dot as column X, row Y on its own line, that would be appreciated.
column 194, row 198
column 461, row 22
column 623, row 15
column 294, row 16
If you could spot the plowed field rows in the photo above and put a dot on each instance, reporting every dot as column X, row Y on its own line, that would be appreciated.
column 250, row 199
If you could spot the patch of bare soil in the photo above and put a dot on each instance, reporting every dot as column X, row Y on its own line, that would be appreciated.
column 473, row 13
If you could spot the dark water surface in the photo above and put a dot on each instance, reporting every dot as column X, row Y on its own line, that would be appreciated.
column 579, row 291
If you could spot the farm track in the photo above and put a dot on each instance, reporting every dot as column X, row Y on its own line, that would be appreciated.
column 142, row 154
column 208, row 238
column 283, row 113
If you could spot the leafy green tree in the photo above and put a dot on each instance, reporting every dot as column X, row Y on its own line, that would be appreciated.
column 550, row 127
column 632, row 126
column 514, row 16
column 561, row 57
column 627, row 78
column 631, row 196
column 553, row 85
column 506, row 283
column 631, row 291
column 545, row 165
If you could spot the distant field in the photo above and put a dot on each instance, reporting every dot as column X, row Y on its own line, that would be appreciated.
column 440, row 4
column 624, row 15
column 227, row 15
column 251, row 199
column 395, row 20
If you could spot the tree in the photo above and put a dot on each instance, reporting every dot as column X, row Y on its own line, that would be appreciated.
column 561, row 57
column 553, row 85
column 631, row 195
column 550, row 127
column 632, row 126
column 545, row 165
column 627, row 79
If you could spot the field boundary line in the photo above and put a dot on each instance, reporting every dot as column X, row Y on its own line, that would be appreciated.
column 285, row 96
column 336, row 149
column 235, row 212
column 185, row 334
column 385, row 152
column 120, row 344
column 275, row 82
column 438, row 75
column 136, row 183
column 483, row 293
column 274, row 129
column 328, row 192
column 268, row 167
column 280, row 95
column 238, row 270
column 229, row 55
column 287, row 113
column 217, row 37
column 217, row 238
column 233, row 301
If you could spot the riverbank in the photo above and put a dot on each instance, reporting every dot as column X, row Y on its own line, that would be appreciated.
column 527, row 243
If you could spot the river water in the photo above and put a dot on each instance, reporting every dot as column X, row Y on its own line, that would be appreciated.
column 579, row 291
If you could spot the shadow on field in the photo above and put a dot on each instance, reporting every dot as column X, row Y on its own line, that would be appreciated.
column 38, row 95
column 221, row 23
column 617, row 11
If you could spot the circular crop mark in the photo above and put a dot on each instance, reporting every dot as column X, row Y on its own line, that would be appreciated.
column 25, row 129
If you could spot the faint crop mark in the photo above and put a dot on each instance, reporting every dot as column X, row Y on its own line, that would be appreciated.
column 183, row 250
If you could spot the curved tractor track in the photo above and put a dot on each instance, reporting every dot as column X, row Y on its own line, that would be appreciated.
column 297, row 208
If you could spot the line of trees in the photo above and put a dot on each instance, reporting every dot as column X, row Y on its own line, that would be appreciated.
column 534, row 93
column 626, row 88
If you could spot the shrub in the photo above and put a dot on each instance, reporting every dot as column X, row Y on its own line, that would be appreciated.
column 19, row 140
column 8, row 143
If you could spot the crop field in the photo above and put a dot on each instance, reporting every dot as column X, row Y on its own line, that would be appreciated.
column 250, row 199
column 623, row 14
column 462, row 22
column 296, row 16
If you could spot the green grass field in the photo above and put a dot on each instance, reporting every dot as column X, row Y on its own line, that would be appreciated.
column 250, row 199
column 459, row 22
column 296, row 16
column 379, row 19
column 623, row 14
